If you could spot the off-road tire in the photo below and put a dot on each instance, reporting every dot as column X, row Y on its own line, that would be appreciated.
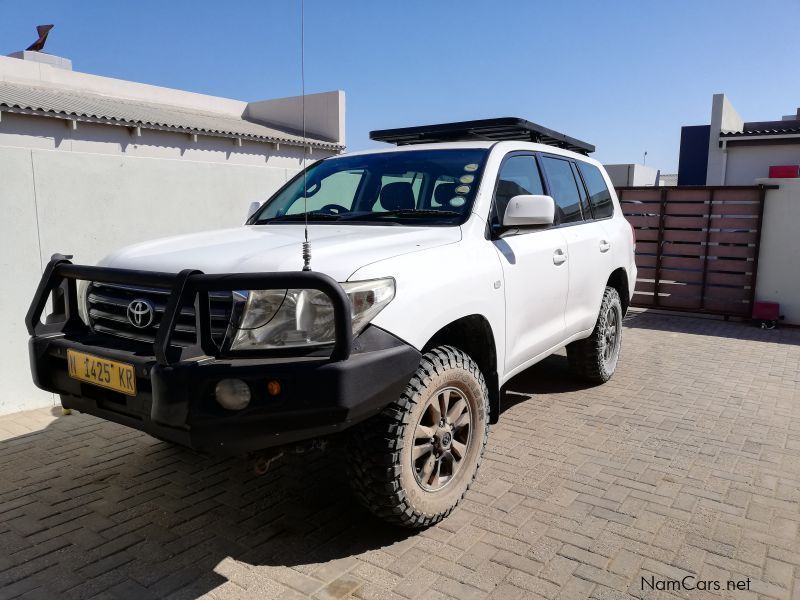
column 381, row 467
column 586, row 357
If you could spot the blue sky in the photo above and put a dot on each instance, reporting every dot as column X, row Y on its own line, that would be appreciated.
column 622, row 75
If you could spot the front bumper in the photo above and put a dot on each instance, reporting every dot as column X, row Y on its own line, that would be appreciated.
column 176, row 402
column 175, row 397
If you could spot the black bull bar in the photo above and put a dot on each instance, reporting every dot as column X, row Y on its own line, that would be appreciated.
column 189, row 287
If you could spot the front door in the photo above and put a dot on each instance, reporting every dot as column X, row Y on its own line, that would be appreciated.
column 535, row 270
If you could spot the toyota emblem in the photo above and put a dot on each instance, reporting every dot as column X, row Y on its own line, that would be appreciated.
column 140, row 313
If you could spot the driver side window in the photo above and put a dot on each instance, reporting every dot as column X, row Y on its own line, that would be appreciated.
column 338, row 189
column 519, row 175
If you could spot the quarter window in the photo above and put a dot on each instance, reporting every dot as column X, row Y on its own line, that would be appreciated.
column 587, row 213
column 599, row 196
column 519, row 175
column 563, row 189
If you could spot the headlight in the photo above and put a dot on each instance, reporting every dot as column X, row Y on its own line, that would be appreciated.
column 302, row 318
column 367, row 299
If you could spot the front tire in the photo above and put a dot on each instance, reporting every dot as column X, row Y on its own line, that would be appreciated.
column 412, row 463
column 594, row 359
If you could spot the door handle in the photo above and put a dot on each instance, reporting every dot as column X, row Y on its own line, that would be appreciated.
column 559, row 257
column 604, row 246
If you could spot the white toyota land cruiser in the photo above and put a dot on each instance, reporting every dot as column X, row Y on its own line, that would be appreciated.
column 439, row 271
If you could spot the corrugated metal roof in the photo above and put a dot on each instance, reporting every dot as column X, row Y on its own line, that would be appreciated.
column 773, row 130
column 85, row 106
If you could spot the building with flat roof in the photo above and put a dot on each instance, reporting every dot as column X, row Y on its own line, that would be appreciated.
column 89, row 164
column 732, row 151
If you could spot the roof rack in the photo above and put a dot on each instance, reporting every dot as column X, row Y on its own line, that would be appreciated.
column 504, row 128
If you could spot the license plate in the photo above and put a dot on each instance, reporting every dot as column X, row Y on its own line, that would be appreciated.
column 110, row 374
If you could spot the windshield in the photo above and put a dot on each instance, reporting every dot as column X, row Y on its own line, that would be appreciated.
column 414, row 187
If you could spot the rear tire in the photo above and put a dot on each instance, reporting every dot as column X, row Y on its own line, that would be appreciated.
column 412, row 463
column 594, row 359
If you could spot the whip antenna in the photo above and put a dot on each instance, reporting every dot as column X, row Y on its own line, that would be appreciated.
column 306, row 244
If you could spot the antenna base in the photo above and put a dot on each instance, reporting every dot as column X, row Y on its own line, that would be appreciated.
column 306, row 255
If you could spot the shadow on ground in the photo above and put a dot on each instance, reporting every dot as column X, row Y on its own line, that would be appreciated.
column 550, row 376
column 712, row 326
column 88, row 506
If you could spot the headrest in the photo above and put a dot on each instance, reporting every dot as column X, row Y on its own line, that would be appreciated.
column 444, row 193
column 397, row 196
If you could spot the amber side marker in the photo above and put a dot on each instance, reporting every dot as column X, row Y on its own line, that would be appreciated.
column 273, row 387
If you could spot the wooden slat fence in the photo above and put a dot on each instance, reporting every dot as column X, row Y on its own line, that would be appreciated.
column 696, row 247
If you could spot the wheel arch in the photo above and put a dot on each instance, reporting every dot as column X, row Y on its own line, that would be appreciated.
column 473, row 334
column 619, row 281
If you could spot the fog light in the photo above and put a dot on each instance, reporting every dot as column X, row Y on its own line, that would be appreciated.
column 233, row 394
column 273, row 387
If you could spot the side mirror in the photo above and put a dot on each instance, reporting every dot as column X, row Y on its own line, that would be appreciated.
column 251, row 210
column 529, row 210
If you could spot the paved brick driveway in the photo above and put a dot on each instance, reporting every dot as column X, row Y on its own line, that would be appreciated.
column 688, row 462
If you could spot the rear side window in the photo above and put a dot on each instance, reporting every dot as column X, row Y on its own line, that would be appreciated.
column 599, row 196
column 563, row 189
column 519, row 175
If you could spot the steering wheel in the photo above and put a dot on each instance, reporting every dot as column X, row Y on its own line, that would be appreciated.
column 334, row 209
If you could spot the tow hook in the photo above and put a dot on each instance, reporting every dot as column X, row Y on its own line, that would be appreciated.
column 263, row 460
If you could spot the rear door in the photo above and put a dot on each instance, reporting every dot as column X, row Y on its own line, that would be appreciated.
column 535, row 269
column 618, row 232
column 587, row 243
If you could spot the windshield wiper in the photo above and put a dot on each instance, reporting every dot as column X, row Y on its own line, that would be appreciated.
column 405, row 212
column 312, row 216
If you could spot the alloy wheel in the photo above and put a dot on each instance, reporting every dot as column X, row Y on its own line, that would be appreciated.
column 441, row 439
column 611, row 337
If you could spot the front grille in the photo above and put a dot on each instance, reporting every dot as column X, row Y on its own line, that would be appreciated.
column 108, row 303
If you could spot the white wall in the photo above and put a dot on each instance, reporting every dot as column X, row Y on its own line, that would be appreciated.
column 324, row 114
column 724, row 118
column 778, row 264
column 631, row 175
column 747, row 163
column 55, row 199
column 20, row 268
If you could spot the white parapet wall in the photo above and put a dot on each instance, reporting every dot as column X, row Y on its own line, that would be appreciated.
column 324, row 114
column 779, row 255
column 635, row 175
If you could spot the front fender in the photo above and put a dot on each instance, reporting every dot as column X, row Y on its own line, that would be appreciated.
column 438, row 286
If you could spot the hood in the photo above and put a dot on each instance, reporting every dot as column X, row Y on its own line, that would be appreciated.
column 336, row 250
